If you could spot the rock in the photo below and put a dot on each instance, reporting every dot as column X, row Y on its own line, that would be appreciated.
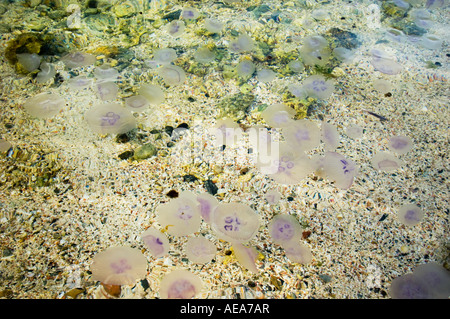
column 100, row 22
column 126, row 155
column 145, row 151
column 126, row 8
column 235, row 106
column 211, row 187
column 189, row 178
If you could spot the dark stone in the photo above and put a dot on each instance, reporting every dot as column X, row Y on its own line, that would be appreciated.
column 92, row 4
column 408, row 27
column 122, row 138
column 325, row 278
column 183, row 125
column 259, row 10
column 342, row 38
column 211, row 187
column 126, row 155
column 145, row 284
column 174, row 15
column 58, row 80
column 189, row 178
column 172, row 194
column 168, row 129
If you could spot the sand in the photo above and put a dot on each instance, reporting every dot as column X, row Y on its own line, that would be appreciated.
column 49, row 234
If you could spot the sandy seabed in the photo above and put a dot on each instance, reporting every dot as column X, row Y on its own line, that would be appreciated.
column 49, row 234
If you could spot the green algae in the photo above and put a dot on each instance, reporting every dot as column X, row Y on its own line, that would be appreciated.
column 235, row 106
column 301, row 106
column 31, row 167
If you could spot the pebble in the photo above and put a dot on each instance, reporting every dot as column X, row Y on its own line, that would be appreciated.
column 189, row 178
column 211, row 187
column 145, row 151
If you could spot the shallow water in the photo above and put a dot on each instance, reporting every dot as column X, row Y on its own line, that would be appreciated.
column 68, row 192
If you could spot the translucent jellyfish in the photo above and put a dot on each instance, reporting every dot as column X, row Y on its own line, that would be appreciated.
column 297, row 252
column 320, row 14
column 354, row 131
column 180, row 284
column 330, row 136
column 213, row 25
column 106, row 73
column 409, row 286
column 176, row 28
column 207, row 205
column 172, row 74
column 44, row 105
column 78, row 59
column 382, row 86
column 235, row 222
column 400, row 144
column 384, row 62
column 432, row 4
column 339, row 169
column 200, row 250
column 291, row 166
column 243, row 43
column 246, row 256
column 266, row 75
column 226, row 132
column 315, row 42
column 343, row 54
column 297, row 90
column 165, row 56
column 107, row 90
column 395, row 34
column 386, row 66
column 431, row 42
column 204, row 55
column 303, row 135
column 80, row 82
column 180, row 216
column 119, row 266
column 110, row 118
column 410, row 214
column 136, row 103
column 272, row 196
column 245, row 69
column 315, row 57
column 315, row 51
column 156, row 242
column 189, row 13
column 385, row 161
column 47, row 72
column 296, row 66
column 317, row 87
column 153, row 93
column 436, row 277
column 29, row 61
column 278, row 115
column 284, row 228
column 422, row 18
